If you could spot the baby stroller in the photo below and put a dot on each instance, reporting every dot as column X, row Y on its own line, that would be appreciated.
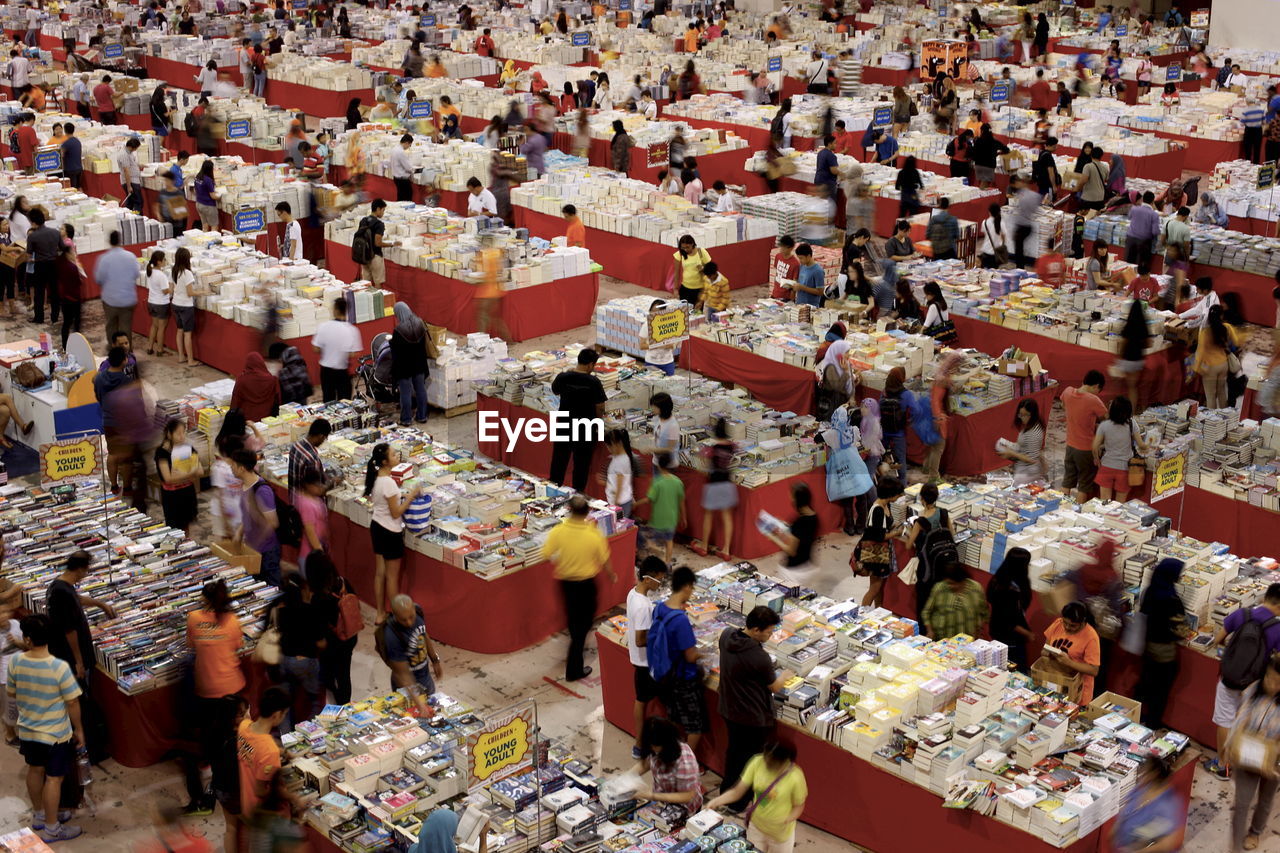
column 373, row 374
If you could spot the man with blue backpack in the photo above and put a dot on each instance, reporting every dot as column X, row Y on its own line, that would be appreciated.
column 673, row 658
column 1254, row 636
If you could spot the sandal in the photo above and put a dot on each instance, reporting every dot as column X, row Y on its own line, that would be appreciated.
column 697, row 548
column 724, row 555
column 1251, row 842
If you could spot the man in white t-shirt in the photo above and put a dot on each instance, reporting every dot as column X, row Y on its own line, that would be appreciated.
column 336, row 340
column 291, row 239
column 653, row 573
column 480, row 201
column 19, row 70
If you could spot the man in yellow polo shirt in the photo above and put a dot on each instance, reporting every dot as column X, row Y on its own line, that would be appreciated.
column 579, row 551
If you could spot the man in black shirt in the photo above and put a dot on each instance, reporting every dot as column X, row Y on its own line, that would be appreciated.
column 71, row 639
column 582, row 397
column 747, row 684
column 1045, row 169
column 44, row 244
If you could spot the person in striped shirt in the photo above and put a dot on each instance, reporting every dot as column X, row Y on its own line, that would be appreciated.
column 49, row 729
column 1251, row 117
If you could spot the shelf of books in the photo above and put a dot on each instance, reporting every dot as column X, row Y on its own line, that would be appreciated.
column 150, row 574
column 937, row 739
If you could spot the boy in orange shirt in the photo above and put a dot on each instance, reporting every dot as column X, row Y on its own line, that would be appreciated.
column 575, row 233
column 1073, row 644
column 844, row 142
column 259, row 754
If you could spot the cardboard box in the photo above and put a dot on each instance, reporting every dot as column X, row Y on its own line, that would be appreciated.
column 1109, row 703
column 1047, row 673
column 1014, row 368
column 238, row 554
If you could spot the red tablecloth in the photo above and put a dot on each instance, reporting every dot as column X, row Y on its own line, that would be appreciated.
column 1157, row 167
column 183, row 76
column 1252, row 225
column 144, row 727
column 783, row 387
column 647, row 264
column 493, row 617
column 1202, row 155
column 908, row 818
column 380, row 187
column 889, row 76
column 971, row 447
column 1250, row 531
column 748, row 542
column 222, row 344
column 529, row 312
column 314, row 102
column 1162, row 380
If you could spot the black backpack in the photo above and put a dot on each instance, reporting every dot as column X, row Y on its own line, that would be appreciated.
column 189, row 124
column 362, row 245
column 1246, row 655
column 937, row 549
column 13, row 141
column 893, row 416
column 289, row 529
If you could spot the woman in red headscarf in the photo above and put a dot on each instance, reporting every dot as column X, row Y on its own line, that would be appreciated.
column 256, row 392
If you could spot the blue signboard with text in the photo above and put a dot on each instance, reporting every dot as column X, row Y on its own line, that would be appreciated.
column 775, row 63
column 239, row 128
column 1173, row 72
column 299, row 4
column 420, row 109
column 1000, row 92
column 580, row 39
column 249, row 221
column 624, row 5
column 428, row 20
column 113, row 51
column 882, row 116
column 1122, row 31
column 49, row 160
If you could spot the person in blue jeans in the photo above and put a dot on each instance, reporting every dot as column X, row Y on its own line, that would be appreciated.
column 409, row 363
column 894, row 417
column 302, row 638
column 414, row 660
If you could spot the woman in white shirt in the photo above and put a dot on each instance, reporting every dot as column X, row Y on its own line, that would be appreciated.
column 604, row 97
column 937, row 312
column 666, row 429
column 184, row 305
column 19, row 224
column 1198, row 314
column 994, row 251
column 619, row 479
column 207, row 77
column 386, row 528
column 159, row 295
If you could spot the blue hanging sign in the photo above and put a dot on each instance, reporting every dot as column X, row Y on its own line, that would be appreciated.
column 113, row 51
column 624, row 5
column 1000, row 92
column 428, row 20
column 1122, row 31
column 1173, row 72
column 239, row 128
column 420, row 109
column 775, row 63
column 249, row 221
column 1266, row 175
column 580, row 39
column 882, row 116
column 299, row 4
column 49, row 160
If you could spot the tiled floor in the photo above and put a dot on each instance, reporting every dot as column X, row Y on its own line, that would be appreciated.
column 123, row 796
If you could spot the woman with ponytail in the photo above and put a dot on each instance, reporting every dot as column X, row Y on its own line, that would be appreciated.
column 386, row 528
column 159, row 295
column 620, row 476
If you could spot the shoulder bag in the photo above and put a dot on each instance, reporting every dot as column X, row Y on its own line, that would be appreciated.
column 268, row 649
column 1137, row 463
column 751, row 809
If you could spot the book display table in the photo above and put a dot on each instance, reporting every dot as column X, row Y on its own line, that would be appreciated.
column 647, row 264
column 183, row 75
column 782, row 387
column 774, row 498
column 908, row 818
column 529, row 312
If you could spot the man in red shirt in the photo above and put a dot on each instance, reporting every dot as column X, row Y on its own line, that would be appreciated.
column 1084, row 410
column 25, row 134
column 844, row 142
column 1041, row 95
column 484, row 44
column 1144, row 287
column 1051, row 268
column 786, row 266
column 103, row 99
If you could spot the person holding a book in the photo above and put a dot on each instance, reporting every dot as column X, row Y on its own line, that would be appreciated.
column 671, row 764
column 1073, row 644
column 778, row 793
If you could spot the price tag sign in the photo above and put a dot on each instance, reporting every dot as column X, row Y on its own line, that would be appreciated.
column 1122, row 31
column 1173, row 73
column 428, row 20
column 113, row 51
column 420, row 109
column 1200, row 19
column 1001, row 92
column 775, row 63
column 49, row 160
column 250, row 220
column 882, row 116
column 580, row 39
column 658, row 155
column 239, row 128
column 1267, row 175
column 299, row 4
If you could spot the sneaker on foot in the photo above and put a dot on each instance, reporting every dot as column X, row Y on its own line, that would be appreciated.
column 60, row 832
column 637, row 753
column 197, row 809
column 37, row 818
column 1217, row 768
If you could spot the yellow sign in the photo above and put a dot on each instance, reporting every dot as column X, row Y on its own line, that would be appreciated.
column 668, row 326
column 1170, row 477
column 500, row 746
column 70, row 460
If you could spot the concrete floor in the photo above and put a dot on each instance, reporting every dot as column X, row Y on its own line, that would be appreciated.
column 124, row 796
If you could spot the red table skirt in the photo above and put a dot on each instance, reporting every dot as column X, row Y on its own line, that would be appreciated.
column 1162, row 381
column 493, row 617
column 183, row 76
column 380, row 187
column 1157, row 167
column 748, row 542
column 1202, row 155
column 782, row 387
column 647, row 264
column 145, row 728
column 889, row 76
column 1251, row 225
column 1250, row 531
column 312, row 101
column 908, row 818
column 971, row 446
column 222, row 344
column 529, row 312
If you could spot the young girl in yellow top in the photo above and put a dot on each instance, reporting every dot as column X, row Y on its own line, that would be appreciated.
column 689, row 261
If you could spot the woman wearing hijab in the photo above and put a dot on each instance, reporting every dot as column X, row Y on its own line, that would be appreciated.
column 894, row 406
column 256, row 393
column 837, row 332
column 538, row 83
column 353, row 114
column 161, row 118
column 1009, row 595
column 872, row 435
column 1210, row 212
column 620, row 148
column 1166, row 625
column 409, row 363
column 294, row 375
column 439, row 831
column 848, row 482
column 835, row 380
column 1116, row 181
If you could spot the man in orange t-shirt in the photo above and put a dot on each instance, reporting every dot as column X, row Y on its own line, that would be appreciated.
column 844, row 143
column 1084, row 410
column 257, row 750
column 215, row 638
column 1073, row 644
column 575, row 233
column 488, row 295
